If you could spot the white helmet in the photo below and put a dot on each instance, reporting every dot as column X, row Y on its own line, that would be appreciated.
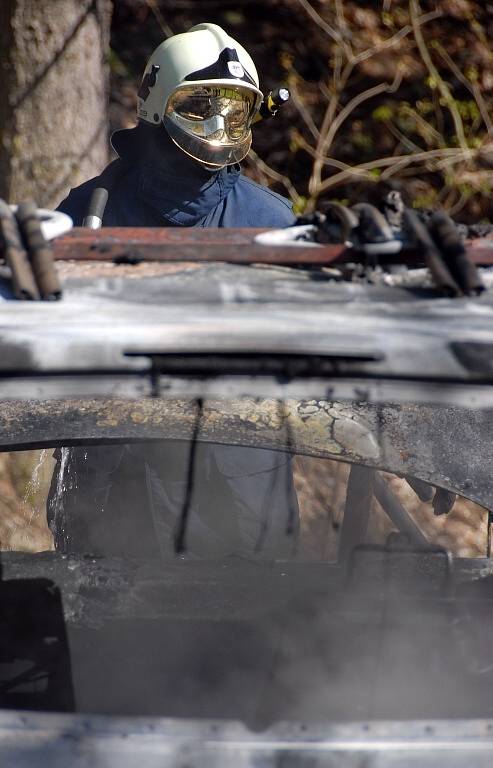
column 204, row 87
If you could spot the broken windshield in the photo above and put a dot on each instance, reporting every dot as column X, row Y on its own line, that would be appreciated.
column 285, row 573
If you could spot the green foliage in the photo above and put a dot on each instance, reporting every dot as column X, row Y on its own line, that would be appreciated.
column 295, row 141
column 465, row 189
column 361, row 138
column 485, row 186
column 425, row 199
column 424, row 107
column 383, row 114
column 468, row 109
column 387, row 19
column 362, row 141
column 299, row 206
column 233, row 18
column 472, row 74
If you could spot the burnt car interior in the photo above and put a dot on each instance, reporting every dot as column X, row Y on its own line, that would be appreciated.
column 151, row 620
column 267, row 492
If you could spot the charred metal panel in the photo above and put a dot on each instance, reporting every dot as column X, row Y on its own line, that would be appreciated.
column 385, row 333
column 447, row 447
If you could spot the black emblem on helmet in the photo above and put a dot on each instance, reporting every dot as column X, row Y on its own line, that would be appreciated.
column 148, row 82
column 227, row 67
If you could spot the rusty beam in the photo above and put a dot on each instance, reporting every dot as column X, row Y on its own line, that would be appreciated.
column 128, row 244
column 172, row 244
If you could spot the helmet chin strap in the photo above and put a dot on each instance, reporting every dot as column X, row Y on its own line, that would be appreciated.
column 207, row 166
column 210, row 168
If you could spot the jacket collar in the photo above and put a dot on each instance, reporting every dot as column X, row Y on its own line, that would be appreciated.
column 173, row 184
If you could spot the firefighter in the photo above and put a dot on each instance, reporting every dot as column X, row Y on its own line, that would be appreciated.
column 180, row 167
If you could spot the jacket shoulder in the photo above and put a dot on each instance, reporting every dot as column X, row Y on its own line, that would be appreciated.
column 77, row 201
column 265, row 208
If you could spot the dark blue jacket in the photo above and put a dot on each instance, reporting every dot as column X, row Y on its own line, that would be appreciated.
column 155, row 184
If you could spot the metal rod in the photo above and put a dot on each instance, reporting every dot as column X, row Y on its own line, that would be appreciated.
column 359, row 495
column 488, row 534
column 396, row 512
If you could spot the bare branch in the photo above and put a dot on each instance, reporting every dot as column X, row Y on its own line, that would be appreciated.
column 397, row 37
column 369, row 52
column 333, row 118
column 370, row 93
column 434, row 74
column 427, row 131
column 363, row 170
column 459, row 205
column 341, row 20
column 473, row 88
column 303, row 111
column 404, row 140
column 325, row 91
column 165, row 28
column 430, row 164
column 465, row 175
column 330, row 112
column 340, row 79
column 259, row 164
column 330, row 31
column 336, row 75
column 419, row 156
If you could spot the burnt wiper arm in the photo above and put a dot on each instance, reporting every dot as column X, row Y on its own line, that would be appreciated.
column 283, row 364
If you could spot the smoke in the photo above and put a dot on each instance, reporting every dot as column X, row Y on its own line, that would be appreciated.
column 261, row 643
column 245, row 624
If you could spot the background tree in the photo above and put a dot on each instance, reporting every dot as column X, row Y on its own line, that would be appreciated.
column 53, row 111
column 53, row 135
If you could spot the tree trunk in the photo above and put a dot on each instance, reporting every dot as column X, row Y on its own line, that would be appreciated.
column 53, row 110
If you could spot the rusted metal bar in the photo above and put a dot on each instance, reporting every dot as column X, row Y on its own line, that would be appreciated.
column 129, row 245
column 168, row 244
column 15, row 255
column 40, row 252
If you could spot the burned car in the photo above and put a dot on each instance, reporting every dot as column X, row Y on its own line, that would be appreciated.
column 267, row 533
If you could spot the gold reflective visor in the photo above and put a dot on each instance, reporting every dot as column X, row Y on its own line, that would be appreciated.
column 203, row 108
column 211, row 124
